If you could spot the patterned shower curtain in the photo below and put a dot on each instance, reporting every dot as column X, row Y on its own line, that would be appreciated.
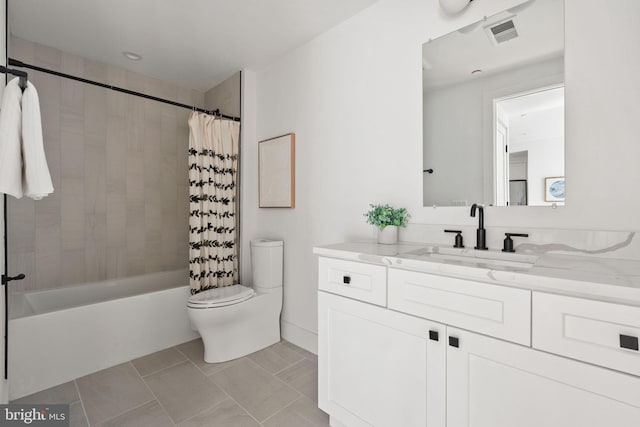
column 213, row 174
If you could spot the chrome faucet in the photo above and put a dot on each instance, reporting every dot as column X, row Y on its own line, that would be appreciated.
column 481, row 233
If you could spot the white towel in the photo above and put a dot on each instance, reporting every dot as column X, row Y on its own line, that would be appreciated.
column 36, row 179
column 23, row 165
column 10, row 150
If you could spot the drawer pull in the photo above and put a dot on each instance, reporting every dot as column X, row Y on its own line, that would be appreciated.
column 346, row 280
column 629, row 342
column 434, row 336
column 454, row 342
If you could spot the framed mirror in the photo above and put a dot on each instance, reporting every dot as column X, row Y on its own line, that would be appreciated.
column 493, row 110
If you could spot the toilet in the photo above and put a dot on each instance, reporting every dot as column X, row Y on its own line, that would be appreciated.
column 237, row 320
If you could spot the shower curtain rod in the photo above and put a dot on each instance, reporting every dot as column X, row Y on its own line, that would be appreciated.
column 216, row 112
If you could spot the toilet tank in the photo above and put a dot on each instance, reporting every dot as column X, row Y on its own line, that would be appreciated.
column 267, row 263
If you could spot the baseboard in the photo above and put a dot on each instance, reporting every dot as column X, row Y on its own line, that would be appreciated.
column 300, row 336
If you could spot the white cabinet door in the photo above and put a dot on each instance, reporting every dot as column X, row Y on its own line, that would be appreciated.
column 492, row 383
column 378, row 367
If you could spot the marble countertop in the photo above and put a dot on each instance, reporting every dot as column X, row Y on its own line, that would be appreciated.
column 604, row 279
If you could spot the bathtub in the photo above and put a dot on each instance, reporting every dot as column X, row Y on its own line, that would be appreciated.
column 61, row 334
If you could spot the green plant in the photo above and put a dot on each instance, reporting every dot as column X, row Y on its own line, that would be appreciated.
column 384, row 215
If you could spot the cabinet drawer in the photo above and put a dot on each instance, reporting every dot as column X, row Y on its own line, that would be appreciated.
column 497, row 311
column 364, row 282
column 598, row 332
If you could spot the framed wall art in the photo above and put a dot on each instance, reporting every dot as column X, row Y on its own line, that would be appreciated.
column 276, row 172
column 554, row 189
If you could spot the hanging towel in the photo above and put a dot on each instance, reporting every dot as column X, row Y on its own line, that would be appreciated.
column 36, row 179
column 10, row 150
column 23, row 165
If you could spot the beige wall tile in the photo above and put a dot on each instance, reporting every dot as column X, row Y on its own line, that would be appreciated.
column 135, row 237
column 72, row 95
column 22, row 50
column 117, row 104
column 135, row 81
column 48, row 57
column 71, row 121
column 95, row 180
column 116, row 220
column 73, row 267
column 97, row 71
column 48, row 219
column 21, row 232
column 95, row 114
column 116, row 76
column 120, row 173
column 48, row 87
column 72, row 151
column 72, row 64
column 116, row 156
column 49, row 270
column 72, row 222
column 95, row 254
column 116, row 262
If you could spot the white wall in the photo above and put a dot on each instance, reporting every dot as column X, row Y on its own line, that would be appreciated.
column 353, row 96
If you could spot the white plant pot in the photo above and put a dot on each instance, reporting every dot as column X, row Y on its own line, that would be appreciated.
column 388, row 235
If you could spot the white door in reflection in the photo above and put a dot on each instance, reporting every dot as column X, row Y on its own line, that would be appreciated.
column 528, row 127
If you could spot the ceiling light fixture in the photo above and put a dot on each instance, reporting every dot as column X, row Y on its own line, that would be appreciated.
column 132, row 56
column 454, row 6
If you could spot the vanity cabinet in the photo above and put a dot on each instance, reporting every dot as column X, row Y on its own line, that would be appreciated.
column 494, row 383
column 377, row 367
column 446, row 351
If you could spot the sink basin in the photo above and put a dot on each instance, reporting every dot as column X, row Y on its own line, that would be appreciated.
column 472, row 257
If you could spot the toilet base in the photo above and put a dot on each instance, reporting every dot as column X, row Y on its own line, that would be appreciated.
column 238, row 330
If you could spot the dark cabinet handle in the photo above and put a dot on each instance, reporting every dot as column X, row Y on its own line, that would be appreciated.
column 434, row 336
column 629, row 342
column 454, row 342
column 346, row 280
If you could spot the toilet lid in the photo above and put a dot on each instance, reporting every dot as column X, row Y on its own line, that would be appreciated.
column 220, row 297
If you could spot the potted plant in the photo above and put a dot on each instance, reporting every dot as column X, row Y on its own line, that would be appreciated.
column 387, row 219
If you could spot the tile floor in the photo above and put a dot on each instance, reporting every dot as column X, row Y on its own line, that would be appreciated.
column 275, row 387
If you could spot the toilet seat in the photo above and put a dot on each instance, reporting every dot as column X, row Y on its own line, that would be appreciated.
column 220, row 297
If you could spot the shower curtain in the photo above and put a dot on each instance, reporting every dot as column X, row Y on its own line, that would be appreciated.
column 213, row 174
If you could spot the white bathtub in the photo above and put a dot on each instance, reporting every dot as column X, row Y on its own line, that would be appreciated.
column 61, row 334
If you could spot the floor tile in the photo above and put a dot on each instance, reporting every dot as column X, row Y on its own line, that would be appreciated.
column 194, row 350
column 226, row 414
column 276, row 357
column 157, row 361
column 147, row 415
column 259, row 392
column 302, row 351
column 303, row 376
column 301, row 413
column 76, row 415
column 111, row 392
column 63, row 393
column 183, row 391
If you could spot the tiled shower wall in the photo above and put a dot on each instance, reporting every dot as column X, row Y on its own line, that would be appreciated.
column 119, row 169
